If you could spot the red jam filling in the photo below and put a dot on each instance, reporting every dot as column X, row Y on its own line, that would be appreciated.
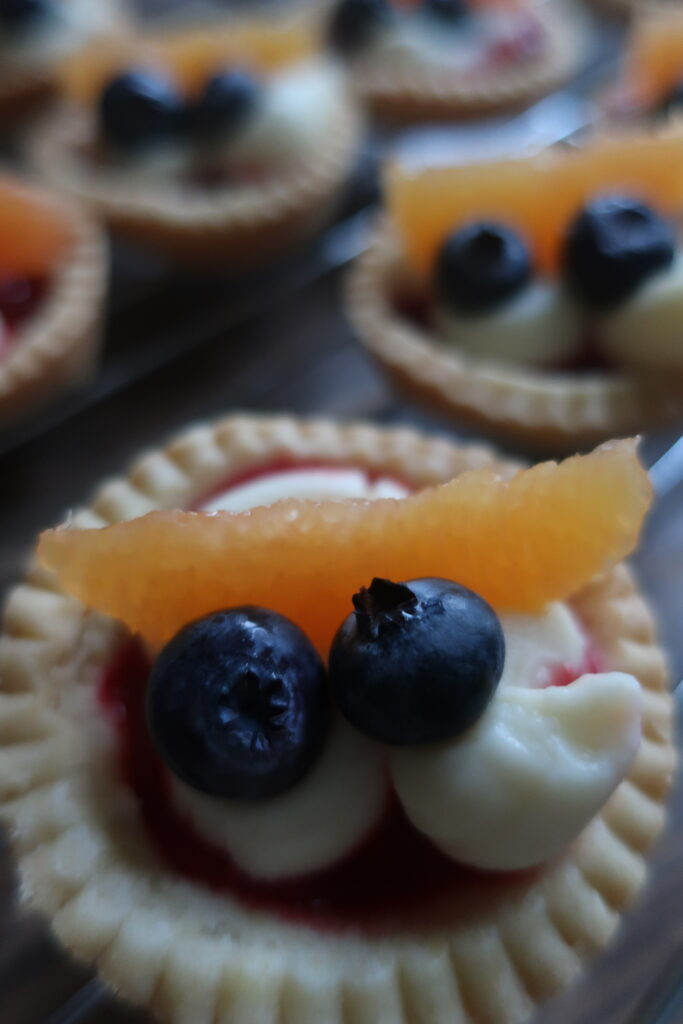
column 395, row 875
column 20, row 298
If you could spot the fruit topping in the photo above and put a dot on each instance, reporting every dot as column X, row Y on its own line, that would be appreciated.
column 480, row 266
column 416, row 662
column 518, row 542
column 237, row 704
column 228, row 99
column 24, row 14
column 612, row 247
column 447, row 11
column 34, row 232
column 519, row 786
column 139, row 108
column 354, row 23
column 19, row 298
column 537, row 195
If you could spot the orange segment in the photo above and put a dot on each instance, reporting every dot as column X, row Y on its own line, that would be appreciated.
column 537, row 194
column 655, row 57
column 190, row 55
column 519, row 543
column 33, row 234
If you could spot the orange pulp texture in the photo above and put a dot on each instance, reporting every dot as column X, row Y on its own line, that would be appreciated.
column 33, row 234
column 520, row 543
column 654, row 62
column 190, row 56
column 537, row 195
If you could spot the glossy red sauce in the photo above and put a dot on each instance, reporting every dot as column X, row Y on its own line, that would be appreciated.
column 20, row 298
column 395, row 872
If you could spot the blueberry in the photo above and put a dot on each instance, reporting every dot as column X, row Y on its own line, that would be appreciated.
column 448, row 11
column 19, row 14
column 612, row 247
column 673, row 101
column 226, row 102
column 416, row 662
column 238, row 705
column 480, row 266
column 354, row 23
column 139, row 108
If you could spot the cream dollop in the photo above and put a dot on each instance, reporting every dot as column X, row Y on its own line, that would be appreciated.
column 539, row 327
column 647, row 329
column 527, row 778
column 310, row 826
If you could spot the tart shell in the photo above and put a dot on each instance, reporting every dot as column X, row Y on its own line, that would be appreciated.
column 236, row 227
column 398, row 92
column 195, row 957
column 543, row 410
column 58, row 347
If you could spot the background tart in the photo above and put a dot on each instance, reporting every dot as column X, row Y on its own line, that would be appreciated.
column 56, row 347
column 415, row 93
column 542, row 409
column 193, row 955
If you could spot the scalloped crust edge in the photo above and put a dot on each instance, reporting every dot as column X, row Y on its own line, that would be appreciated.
column 196, row 958
column 400, row 93
column 543, row 409
column 237, row 229
column 59, row 345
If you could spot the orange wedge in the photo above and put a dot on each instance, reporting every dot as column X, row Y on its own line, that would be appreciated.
column 537, row 195
column 191, row 56
column 520, row 543
column 655, row 55
column 34, row 235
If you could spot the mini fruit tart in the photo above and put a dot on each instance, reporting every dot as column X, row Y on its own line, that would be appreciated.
column 442, row 59
column 539, row 298
column 36, row 35
column 387, row 736
column 650, row 85
column 53, row 280
column 223, row 145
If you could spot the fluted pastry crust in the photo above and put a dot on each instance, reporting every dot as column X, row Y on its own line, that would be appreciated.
column 194, row 957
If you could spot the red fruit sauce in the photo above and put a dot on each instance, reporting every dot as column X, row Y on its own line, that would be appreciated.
column 20, row 297
column 394, row 873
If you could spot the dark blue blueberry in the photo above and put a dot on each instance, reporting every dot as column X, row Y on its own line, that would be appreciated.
column 447, row 11
column 673, row 101
column 238, row 704
column 416, row 662
column 20, row 14
column 480, row 266
column 138, row 109
column 228, row 100
column 612, row 247
column 354, row 23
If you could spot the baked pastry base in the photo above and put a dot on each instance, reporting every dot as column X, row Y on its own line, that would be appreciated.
column 406, row 93
column 58, row 347
column 543, row 410
column 196, row 957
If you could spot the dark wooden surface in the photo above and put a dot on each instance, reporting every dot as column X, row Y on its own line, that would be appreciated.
column 178, row 350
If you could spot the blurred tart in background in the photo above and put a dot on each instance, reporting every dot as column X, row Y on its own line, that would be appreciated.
column 650, row 83
column 36, row 35
column 444, row 59
column 53, row 280
column 540, row 298
column 222, row 145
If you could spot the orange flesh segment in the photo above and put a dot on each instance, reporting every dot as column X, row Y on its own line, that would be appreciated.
column 190, row 56
column 520, row 543
column 537, row 195
column 34, row 236
column 655, row 56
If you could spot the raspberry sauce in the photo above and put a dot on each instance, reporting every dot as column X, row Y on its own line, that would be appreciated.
column 20, row 298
